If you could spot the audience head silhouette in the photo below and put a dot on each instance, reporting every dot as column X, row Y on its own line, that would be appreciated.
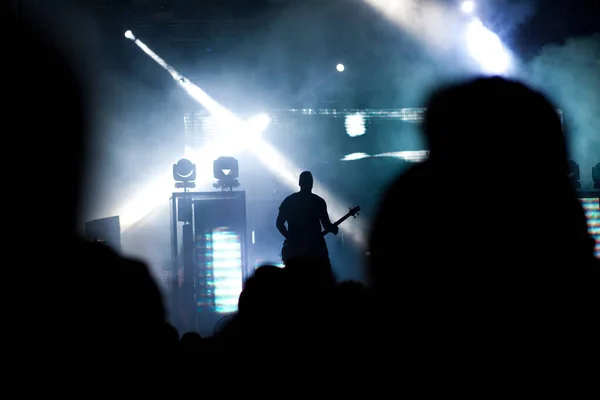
column 123, row 309
column 48, row 73
column 496, row 179
column 487, row 235
column 306, row 181
column 518, row 127
column 191, row 342
column 263, row 291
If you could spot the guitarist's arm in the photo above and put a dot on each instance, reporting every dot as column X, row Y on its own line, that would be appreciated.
column 326, row 222
column 280, row 224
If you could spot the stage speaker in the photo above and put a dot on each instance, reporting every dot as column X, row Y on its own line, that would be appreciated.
column 106, row 231
column 220, row 248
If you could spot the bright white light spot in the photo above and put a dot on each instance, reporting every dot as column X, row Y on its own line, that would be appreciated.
column 468, row 7
column 226, row 171
column 232, row 136
column 340, row 67
column 410, row 156
column 259, row 122
column 250, row 131
column 355, row 156
column 355, row 125
column 129, row 35
column 487, row 49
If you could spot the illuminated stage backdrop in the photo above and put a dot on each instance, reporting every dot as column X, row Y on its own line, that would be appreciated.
column 591, row 204
column 325, row 134
column 329, row 134
column 220, row 243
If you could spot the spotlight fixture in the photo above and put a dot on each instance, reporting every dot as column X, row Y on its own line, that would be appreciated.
column 596, row 176
column 574, row 175
column 129, row 35
column 184, row 173
column 226, row 170
column 468, row 7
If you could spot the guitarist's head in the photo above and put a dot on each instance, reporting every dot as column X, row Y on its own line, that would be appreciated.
column 306, row 181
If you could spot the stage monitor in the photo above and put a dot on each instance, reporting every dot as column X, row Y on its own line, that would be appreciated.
column 591, row 205
column 105, row 230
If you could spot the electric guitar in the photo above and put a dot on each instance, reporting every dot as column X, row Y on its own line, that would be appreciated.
column 287, row 249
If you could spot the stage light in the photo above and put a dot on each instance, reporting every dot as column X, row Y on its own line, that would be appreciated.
column 340, row 67
column 467, row 7
column 129, row 35
column 184, row 173
column 226, row 170
column 355, row 156
column 487, row 49
column 574, row 175
column 596, row 176
column 355, row 125
column 274, row 160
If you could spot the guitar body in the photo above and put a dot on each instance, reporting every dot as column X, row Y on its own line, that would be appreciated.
column 290, row 250
column 312, row 249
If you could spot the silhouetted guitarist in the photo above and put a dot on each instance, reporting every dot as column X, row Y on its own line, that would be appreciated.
column 304, row 213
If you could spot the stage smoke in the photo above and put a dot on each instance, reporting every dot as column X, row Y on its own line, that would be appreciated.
column 569, row 74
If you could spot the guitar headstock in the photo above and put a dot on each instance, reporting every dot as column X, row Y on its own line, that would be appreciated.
column 354, row 211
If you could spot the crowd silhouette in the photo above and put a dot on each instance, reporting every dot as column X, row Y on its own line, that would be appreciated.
column 469, row 273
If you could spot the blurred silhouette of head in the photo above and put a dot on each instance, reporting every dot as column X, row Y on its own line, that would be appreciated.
column 191, row 341
column 46, row 111
column 170, row 334
column 502, row 137
column 264, row 291
column 498, row 126
column 488, row 231
column 306, row 181
column 496, row 148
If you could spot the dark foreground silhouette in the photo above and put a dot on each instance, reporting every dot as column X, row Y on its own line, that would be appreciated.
column 493, row 259
column 475, row 277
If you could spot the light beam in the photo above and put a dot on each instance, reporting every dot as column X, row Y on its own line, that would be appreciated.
column 266, row 153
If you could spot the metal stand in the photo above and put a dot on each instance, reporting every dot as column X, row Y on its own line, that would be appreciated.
column 187, row 221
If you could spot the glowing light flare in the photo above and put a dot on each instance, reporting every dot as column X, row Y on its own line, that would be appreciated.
column 340, row 67
column 428, row 21
column 213, row 107
column 272, row 159
column 252, row 130
column 410, row 156
column 487, row 49
column 129, row 35
column 147, row 198
column 355, row 125
column 355, row 156
column 468, row 7
column 156, row 191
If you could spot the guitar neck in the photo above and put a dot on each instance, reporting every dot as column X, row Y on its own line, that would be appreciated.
column 337, row 223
